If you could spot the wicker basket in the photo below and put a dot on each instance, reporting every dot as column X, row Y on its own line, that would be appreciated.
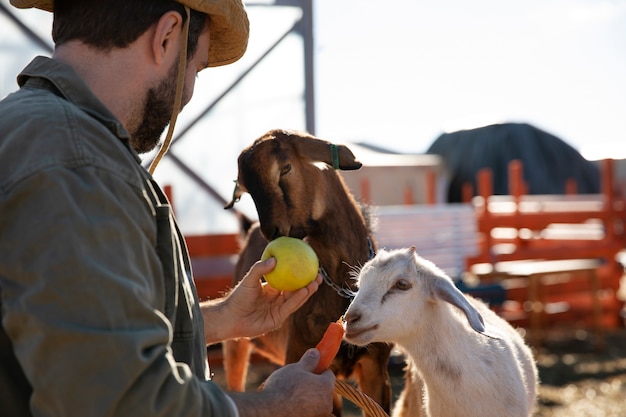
column 365, row 403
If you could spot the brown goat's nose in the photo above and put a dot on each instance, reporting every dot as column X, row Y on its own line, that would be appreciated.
column 276, row 234
column 352, row 317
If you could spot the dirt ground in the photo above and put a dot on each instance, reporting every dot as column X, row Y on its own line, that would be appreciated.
column 579, row 378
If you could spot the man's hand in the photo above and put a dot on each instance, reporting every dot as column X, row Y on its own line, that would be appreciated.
column 253, row 307
column 293, row 390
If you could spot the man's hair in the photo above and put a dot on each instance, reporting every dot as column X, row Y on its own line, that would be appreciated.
column 108, row 24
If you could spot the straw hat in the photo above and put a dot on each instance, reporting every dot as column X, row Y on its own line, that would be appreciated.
column 229, row 25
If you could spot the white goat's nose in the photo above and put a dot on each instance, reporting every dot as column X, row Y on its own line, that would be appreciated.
column 352, row 316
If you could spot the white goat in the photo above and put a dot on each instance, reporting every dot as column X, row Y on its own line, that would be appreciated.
column 462, row 358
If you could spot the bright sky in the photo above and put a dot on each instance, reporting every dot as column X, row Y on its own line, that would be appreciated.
column 397, row 74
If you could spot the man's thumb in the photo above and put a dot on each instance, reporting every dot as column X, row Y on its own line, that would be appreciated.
column 310, row 359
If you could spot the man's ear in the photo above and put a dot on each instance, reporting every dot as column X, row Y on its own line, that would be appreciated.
column 166, row 38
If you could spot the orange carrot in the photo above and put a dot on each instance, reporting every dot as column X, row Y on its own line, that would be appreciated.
column 329, row 345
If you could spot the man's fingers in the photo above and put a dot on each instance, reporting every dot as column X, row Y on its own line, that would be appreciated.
column 295, row 299
column 310, row 359
column 259, row 269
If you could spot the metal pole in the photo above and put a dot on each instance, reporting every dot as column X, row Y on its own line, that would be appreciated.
column 309, row 65
column 27, row 31
column 210, row 107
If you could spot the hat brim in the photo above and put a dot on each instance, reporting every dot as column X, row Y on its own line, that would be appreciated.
column 229, row 25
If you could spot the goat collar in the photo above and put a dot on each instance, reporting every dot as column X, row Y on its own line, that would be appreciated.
column 343, row 292
column 346, row 292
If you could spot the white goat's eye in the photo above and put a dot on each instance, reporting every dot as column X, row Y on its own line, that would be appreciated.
column 402, row 285
column 285, row 169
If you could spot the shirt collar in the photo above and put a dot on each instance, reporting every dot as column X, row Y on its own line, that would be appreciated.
column 70, row 86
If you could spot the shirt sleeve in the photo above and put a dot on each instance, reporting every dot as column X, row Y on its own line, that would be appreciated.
column 81, row 300
column 233, row 406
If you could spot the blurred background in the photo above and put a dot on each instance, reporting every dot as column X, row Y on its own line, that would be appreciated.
column 426, row 93
column 391, row 76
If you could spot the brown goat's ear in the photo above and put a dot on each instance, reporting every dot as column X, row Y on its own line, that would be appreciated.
column 337, row 156
column 237, row 193
column 347, row 160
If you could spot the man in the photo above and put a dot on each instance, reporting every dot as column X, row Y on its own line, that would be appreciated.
column 99, row 313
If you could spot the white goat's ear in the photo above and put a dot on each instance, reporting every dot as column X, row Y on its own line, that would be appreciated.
column 448, row 292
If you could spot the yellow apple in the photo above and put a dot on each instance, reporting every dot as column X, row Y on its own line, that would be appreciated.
column 296, row 263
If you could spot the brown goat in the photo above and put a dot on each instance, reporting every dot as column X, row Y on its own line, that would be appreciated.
column 297, row 193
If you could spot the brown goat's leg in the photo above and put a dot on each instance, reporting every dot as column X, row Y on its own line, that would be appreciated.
column 373, row 380
column 236, row 360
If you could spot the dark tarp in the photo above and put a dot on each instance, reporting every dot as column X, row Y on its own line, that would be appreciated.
column 548, row 162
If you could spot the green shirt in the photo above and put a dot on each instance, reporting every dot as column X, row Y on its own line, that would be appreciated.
column 99, row 314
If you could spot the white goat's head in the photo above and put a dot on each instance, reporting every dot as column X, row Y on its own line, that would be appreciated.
column 395, row 289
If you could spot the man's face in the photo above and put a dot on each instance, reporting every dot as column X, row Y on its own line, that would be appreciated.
column 160, row 100
column 156, row 113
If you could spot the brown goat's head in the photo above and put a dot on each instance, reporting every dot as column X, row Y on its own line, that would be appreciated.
column 282, row 172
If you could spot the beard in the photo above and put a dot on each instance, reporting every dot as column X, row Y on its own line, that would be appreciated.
column 157, row 112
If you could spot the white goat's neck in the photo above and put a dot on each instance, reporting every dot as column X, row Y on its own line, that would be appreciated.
column 440, row 351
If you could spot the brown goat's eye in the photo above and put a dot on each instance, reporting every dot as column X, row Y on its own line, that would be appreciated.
column 285, row 169
column 402, row 285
